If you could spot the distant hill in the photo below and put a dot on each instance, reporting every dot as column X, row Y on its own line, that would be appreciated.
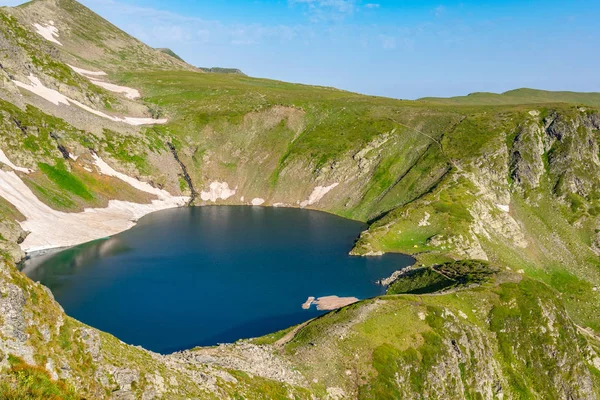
column 219, row 70
column 170, row 53
column 215, row 70
column 519, row 96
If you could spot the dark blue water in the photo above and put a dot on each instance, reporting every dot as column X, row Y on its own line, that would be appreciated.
column 207, row 275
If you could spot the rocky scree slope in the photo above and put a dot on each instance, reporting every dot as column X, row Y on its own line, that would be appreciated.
column 514, row 184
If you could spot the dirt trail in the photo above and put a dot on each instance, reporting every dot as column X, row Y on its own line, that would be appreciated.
column 290, row 335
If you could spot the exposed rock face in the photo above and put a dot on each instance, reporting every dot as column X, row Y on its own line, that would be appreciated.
column 490, row 221
column 368, row 155
column 526, row 162
column 14, row 322
column 461, row 246
column 573, row 154
column 256, row 360
column 465, row 351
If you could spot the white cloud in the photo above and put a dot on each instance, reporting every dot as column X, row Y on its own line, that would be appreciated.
column 439, row 11
column 387, row 42
column 372, row 5
column 344, row 6
column 324, row 10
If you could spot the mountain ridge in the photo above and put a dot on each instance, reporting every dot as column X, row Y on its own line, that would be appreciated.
column 520, row 96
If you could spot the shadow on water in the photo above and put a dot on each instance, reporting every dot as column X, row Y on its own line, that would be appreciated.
column 208, row 275
column 69, row 261
column 252, row 329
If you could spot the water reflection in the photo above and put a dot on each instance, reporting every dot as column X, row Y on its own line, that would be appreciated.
column 70, row 261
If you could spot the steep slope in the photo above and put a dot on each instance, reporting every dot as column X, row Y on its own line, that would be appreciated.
column 81, row 35
column 97, row 129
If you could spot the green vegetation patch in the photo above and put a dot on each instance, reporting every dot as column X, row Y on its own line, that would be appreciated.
column 29, row 382
column 450, row 275
column 531, row 365
column 65, row 180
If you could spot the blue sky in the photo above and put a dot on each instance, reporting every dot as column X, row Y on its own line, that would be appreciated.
column 404, row 49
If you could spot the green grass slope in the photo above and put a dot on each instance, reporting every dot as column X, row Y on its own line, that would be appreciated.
column 171, row 53
column 468, row 344
column 519, row 96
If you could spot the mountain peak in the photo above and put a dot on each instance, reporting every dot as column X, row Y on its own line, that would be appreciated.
column 78, row 31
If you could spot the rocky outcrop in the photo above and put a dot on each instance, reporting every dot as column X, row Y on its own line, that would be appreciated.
column 572, row 150
column 526, row 161
column 184, row 172
column 15, row 321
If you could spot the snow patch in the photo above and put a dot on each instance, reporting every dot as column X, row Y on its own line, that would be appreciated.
column 91, row 75
column 6, row 161
column 57, row 98
column 217, row 190
column 48, row 32
column 503, row 207
column 257, row 201
column 128, row 92
column 317, row 194
column 38, row 88
column 87, row 73
column 50, row 228
column 142, row 121
column 106, row 169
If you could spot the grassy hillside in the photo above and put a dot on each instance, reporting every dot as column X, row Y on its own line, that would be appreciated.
column 171, row 53
column 520, row 96
column 496, row 196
